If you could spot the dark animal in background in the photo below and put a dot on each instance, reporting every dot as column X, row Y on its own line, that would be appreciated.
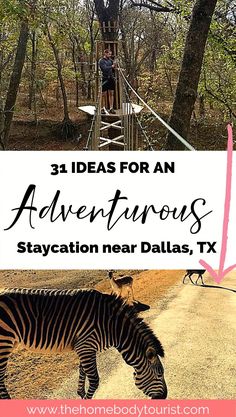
column 190, row 272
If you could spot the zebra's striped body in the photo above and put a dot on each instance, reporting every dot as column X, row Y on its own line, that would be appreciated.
column 84, row 321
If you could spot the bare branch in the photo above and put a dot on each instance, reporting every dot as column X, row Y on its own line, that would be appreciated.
column 154, row 6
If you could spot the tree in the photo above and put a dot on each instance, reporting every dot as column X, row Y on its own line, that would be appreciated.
column 33, row 61
column 218, row 75
column 143, row 34
column 15, row 78
column 90, row 13
column 51, row 14
column 108, row 13
column 2, row 124
column 186, row 90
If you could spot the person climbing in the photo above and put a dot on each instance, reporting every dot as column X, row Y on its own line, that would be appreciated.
column 108, row 81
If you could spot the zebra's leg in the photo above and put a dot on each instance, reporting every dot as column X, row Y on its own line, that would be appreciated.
column 6, row 347
column 81, row 385
column 89, row 365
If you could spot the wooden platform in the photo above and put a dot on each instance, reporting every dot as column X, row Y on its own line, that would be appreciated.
column 126, row 109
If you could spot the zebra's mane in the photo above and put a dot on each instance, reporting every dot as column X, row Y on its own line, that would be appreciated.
column 118, row 302
column 143, row 329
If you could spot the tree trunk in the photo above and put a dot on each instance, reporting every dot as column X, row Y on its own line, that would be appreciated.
column 2, row 123
column 91, row 73
column 1, row 66
column 108, row 13
column 186, row 91
column 15, row 80
column 60, row 76
column 90, row 90
column 127, row 59
column 202, row 110
column 75, row 65
column 34, row 54
column 32, row 86
column 66, row 129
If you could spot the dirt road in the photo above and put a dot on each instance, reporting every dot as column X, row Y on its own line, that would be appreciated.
column 197, row 327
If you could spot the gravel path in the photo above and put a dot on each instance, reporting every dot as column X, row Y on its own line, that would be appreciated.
column 197, row 327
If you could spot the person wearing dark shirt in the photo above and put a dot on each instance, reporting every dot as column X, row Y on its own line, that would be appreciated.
column 108, row 81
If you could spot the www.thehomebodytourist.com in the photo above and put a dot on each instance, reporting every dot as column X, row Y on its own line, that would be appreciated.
column 134, row 410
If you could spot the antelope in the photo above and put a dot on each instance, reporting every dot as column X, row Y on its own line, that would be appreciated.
column 121, row 284
column 190, row 272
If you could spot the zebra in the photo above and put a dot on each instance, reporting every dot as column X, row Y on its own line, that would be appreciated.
column 190, row 272
column 85, row 321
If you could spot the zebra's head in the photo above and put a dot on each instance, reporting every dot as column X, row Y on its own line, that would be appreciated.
column 140, row 349
column 150, row 376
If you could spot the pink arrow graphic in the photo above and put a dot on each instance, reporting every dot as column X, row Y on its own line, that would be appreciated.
column 218, row 276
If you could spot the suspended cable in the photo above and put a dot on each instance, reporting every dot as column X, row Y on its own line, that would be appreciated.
column 182, row 140
column 142, row 129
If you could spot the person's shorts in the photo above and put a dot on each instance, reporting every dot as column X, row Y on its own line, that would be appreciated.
column 108, row 84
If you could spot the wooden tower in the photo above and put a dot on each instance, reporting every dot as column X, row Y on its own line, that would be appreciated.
column 112, row 131
column 109, row 31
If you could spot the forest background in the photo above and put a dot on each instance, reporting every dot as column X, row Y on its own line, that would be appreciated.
column 47, row 68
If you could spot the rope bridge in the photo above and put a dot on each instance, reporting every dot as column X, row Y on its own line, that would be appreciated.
column 123, row 130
